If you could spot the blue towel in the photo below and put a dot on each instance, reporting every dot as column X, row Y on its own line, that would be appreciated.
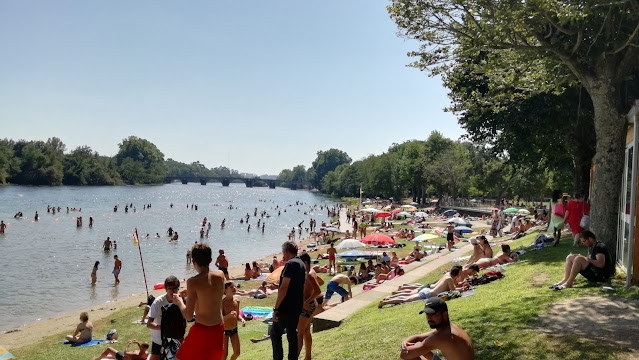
column 90, row 343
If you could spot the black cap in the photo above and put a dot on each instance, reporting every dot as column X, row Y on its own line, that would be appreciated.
column 434, row 305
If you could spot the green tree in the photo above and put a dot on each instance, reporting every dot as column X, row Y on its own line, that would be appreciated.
column 40, row 162
column 140, row 161
column 9, row 164
column 596, row 43
column 327, row 161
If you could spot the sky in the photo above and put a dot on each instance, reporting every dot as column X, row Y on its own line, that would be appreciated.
column 253, row 85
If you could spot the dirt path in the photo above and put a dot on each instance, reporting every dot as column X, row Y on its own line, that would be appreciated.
column 601, row 318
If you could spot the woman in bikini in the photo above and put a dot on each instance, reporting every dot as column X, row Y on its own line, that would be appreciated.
column 94, row 273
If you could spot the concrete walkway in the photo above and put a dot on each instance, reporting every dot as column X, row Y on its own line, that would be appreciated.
column 333, row 317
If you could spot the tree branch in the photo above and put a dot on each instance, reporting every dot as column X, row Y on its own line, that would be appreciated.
column 559, row 27
column 629, row 41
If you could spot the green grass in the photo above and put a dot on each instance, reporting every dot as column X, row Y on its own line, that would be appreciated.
column 501, row 318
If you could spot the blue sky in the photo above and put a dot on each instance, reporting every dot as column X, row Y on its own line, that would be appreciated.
column 258, row 86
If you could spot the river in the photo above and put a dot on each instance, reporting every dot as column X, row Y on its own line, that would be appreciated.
column 46, row 264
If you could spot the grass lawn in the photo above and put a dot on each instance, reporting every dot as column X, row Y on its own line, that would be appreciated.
column 501, row 318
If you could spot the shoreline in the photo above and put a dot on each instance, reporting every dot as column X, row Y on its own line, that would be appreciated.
column 35, row 331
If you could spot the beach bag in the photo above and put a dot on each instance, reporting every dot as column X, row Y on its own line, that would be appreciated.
column 585, row 219
column 112, row 335
column 560, row 210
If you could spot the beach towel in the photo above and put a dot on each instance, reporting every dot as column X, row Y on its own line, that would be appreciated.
column 257, row 310
column 5, row 355
column 90, row 343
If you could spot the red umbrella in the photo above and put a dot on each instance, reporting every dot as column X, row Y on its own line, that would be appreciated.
column 377, row 239
column 383, row 214
column 395, row 211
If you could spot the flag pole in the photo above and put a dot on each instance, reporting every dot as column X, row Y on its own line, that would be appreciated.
column 137, row 240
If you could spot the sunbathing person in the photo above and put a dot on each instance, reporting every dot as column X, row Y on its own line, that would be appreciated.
column 252, row 292
column 478, row 252
column 140, row 354
column 446, row 283
column 505, row 256
column 398, row 271
column 461, row 280
column 83, row 332
column 362, row 274
column 415, row 255
column 394, row 260
column 485, row 246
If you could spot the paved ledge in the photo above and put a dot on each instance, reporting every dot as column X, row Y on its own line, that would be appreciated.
column 333, row 317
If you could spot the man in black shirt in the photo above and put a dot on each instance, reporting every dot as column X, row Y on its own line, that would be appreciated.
column 596, row 267
column 288, row 306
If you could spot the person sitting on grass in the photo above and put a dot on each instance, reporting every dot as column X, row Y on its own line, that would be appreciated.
column 362, row 274
column 415, row 255
column 140, row 354
column 147, row 306
column 447, row 283
column 394, row 262
column 83, row 332
column 450, row 339
column 485, row 246
column 256, row 270
column 596, row 267
column 478, row 252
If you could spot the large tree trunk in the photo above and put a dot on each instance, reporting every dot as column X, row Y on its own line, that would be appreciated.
column 610, row 127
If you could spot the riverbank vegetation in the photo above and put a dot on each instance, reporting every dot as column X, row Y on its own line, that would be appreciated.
column 138, row 161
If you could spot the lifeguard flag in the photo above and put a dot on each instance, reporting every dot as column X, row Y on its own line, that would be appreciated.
column 136, row 240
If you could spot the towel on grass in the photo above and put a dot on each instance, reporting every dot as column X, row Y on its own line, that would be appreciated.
column 90, row 343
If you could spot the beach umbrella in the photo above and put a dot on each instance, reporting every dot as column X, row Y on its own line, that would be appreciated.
column 383, row 214
column 511, row 210
column 356, row 254
column 425, row 237
column 459, row 221
column 450, row 212
column 463, row 229
column 387, row 207
column 404, row 213
column 333, row 229
column 420, row 214
column 349, row 244
column 409, row 208
column 370, row 210
column 377, row 239
column 473, row 200
column 395, row 211
column 524, row 211
column 414, row 203
column 434, row 201
column 275, row 275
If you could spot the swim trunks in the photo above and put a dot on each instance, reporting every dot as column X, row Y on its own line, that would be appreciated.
column 230, row 332
column 334, row 287
column 450, row 237
column 203, row 342
column 116, row 272
column 107, row 249
column 223, row 269
column 119, row 355
column 424, row 293
column 309, row 313
column 331, row 257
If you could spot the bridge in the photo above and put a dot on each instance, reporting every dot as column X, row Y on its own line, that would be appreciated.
column 226, row 180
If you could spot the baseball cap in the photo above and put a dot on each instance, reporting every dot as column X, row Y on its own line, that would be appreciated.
column 434, row 305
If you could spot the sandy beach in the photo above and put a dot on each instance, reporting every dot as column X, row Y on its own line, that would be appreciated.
column 34, row 332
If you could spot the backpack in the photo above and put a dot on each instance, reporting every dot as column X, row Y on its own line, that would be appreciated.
column 172, row 328
column 173, row 324
column 112, row 335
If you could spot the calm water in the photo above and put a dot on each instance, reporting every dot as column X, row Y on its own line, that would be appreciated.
column 46, row 265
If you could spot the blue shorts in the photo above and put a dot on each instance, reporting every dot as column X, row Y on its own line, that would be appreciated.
column 424, row 293
column 334, row 287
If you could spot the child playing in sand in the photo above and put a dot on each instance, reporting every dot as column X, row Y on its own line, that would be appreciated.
column 231, row 313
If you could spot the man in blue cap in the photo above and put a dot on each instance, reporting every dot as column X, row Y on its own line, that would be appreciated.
column 450, row 339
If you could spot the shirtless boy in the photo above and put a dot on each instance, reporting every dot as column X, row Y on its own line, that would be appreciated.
column 334, row 287
column 83, row 332
column 222, row 264
column 311, row 291
column 204, row 294
column 450, row 339
column 231, row 313
column 117, row 266
column 447, row 283
column 331, row 258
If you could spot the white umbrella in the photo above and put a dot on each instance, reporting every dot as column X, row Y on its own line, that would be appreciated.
column 420, row 214
column 413, row 203
column 459, row 221
column 370, row 210
column 349, row 244
column 524, row 211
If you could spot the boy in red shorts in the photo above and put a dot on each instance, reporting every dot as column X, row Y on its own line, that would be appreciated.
column 204, row 294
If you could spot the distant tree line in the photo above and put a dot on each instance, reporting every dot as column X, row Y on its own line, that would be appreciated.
column 138, row 161
column 439, row 166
